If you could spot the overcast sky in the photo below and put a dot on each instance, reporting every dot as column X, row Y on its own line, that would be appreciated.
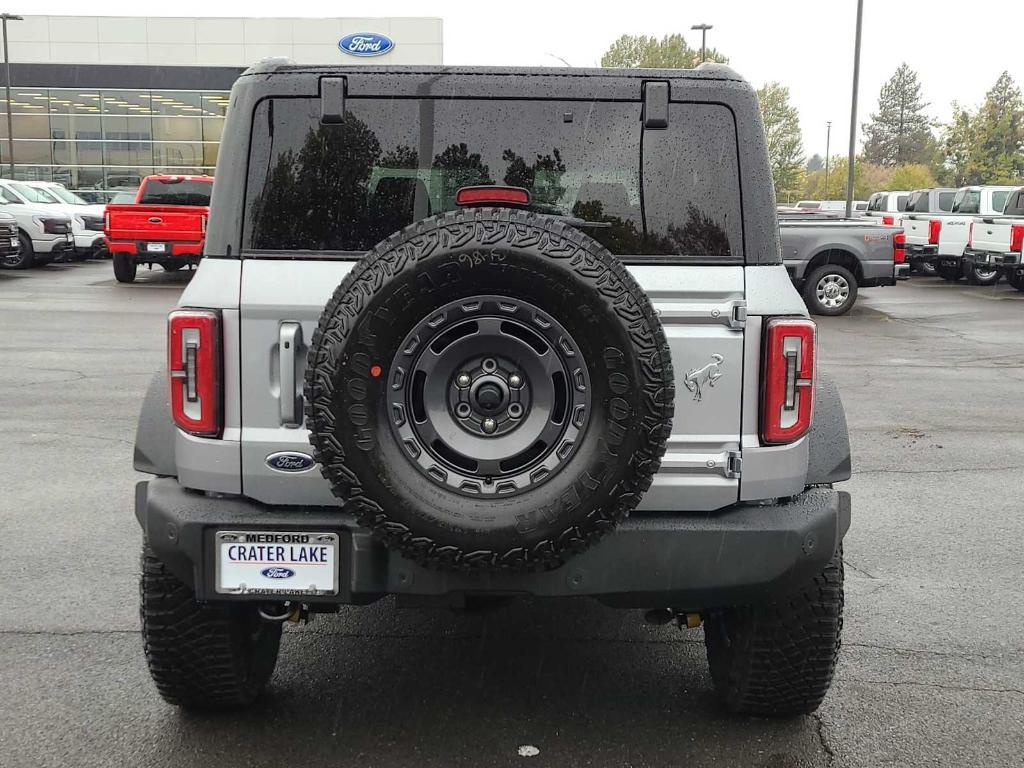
column 957, row 48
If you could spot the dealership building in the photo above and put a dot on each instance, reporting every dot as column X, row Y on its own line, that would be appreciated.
column 98, row 102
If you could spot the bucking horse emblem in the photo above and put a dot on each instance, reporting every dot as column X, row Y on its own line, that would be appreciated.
column 698, row 378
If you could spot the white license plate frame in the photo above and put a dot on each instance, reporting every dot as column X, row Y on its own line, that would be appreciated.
column 156, row 247
column 233, row 576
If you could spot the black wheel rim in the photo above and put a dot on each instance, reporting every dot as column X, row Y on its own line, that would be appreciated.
column 489, row 395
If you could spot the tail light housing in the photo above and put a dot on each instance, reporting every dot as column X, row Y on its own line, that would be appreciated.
column 1017, row 238
column 194, row 364
column 888, row 220
column 899, row 248
column 492, row 195
column 202, row 223
column 106, row 220
column 788, row 371
column 934, row 228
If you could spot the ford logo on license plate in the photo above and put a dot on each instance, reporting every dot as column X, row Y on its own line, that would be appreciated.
column 277, row 572
column 365, row 44
column 290, row 461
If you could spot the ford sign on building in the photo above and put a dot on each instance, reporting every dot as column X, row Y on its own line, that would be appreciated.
column 100, row 102
column 366, row 44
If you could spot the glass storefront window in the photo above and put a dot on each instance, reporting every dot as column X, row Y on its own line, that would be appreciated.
column 94, row 140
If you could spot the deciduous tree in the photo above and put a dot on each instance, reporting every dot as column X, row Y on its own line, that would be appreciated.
column 671, row 52
column 782, row 132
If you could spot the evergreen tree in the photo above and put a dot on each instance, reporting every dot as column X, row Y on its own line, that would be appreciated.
column 816, row 163
column 782, row 132
column 987, row 146
column 899, row 132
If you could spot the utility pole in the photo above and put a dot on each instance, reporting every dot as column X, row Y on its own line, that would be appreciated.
column 7, row 87
column 853, row 111
column 828, row 145
column 703, row 29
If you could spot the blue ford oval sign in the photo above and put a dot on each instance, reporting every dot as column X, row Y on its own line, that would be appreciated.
column 365, row 44
column 277, row 572
column 290, row 461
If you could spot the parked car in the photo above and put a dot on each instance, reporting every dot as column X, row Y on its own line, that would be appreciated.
column 829, row 260
column 86, row 218
column 10, row 244
column 808, row 205
column 839, row 206
column 997, row 242
column 44, row 232
column 166, row 225
column 887, row 206
column 952, row 232
column 489, row 384
column 922, row 237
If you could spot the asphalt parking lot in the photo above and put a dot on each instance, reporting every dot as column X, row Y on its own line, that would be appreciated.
column 931, row 672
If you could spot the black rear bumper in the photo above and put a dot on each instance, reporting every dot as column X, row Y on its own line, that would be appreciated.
column 744, row 553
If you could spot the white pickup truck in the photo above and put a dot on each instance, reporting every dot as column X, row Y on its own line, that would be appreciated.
column 996, row 243
column 923, row 237
column 951, row 231
column 887, row 206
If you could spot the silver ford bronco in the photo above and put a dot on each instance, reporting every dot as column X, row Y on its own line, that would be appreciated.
column 461, row 335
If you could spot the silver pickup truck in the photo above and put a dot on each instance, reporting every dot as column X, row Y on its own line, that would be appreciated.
column 830, row 259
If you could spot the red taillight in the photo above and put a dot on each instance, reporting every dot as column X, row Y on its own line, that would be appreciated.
column 1017, row 238
column 194, row 366
column 492, row 196
column 788, row 369
column 888, row 220
column 934, row 227
column 899, row 248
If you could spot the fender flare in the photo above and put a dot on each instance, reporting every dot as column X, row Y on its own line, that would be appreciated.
column 155, row 433
column 828, row 439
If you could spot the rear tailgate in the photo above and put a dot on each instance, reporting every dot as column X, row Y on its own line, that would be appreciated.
column 992, row 235
column 915, row 227
column 168, row 223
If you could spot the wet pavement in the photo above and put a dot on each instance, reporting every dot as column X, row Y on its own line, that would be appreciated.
column 931, row 672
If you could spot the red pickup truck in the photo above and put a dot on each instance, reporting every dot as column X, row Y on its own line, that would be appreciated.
column 166, row 225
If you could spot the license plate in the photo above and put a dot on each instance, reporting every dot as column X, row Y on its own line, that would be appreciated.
column 276, row 563
column 14, row 241
column 156, row 247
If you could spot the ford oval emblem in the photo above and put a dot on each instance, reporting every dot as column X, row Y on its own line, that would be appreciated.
column 365, row 44
column 290, row 461
column 277, row 572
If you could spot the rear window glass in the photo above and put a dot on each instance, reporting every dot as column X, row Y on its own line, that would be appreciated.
column 901, row 202
column 345, row 187
column 946, row 200
column 917, row 202
column 967, row 201
column 876, row 202
column 999, row 201
column 184, row 192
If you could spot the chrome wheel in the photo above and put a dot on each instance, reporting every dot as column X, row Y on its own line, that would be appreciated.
column 489, row 395
column 832, row 290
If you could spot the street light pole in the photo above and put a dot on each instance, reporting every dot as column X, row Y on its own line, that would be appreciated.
column 703, row 29
column 853, row 111
column 7, row 88
column 828, row 144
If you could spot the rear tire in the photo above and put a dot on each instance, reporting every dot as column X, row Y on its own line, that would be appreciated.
column 778, row 659
column 927, row 269
column 1015, row 281
column 24, row 259
column 980, row 276
column 125, row 268
column 830, row 289
column 203, row 655
column 949, row 274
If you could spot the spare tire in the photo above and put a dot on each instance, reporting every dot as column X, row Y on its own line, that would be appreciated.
column 489, row 389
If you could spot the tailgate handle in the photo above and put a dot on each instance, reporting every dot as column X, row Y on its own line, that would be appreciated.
column 289, row 343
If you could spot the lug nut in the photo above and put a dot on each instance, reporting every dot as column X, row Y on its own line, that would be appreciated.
column 515, row 381
column 489, row 425
column 463, row 380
